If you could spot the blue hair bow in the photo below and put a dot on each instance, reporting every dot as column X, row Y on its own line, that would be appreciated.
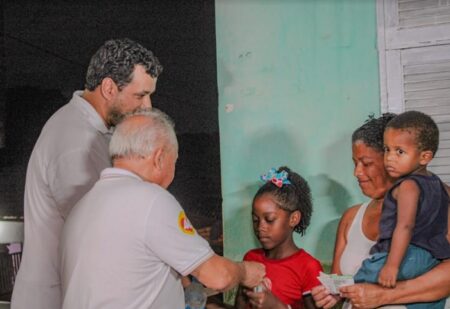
column 278, row 179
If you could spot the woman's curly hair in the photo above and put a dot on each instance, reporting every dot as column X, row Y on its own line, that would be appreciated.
column 371, row 132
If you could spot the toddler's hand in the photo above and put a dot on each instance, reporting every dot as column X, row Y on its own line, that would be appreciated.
column 388, row 276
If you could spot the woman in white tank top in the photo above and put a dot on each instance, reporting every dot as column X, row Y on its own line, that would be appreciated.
column 352, row 255
column 358, row 231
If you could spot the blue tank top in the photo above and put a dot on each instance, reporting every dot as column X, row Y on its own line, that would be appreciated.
column 430, row 229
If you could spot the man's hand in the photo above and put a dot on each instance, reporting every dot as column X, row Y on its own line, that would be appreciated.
column 388, row 276
column 253, row 273
column 365, row 295
column 323, row 298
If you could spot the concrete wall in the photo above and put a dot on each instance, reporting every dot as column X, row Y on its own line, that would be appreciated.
column 295, row 78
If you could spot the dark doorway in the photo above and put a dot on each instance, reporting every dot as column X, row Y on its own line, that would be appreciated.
column 45, row 49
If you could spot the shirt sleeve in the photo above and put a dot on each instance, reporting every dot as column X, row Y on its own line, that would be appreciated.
column 312, row 271
column 249, row 256
column 71, row 176
column 172, row 238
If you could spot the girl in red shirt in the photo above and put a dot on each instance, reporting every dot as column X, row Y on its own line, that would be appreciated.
column 280, row 207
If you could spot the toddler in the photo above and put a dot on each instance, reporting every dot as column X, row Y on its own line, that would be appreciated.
column 413, row 224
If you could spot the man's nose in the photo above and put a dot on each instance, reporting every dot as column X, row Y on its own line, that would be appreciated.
column 147, row 102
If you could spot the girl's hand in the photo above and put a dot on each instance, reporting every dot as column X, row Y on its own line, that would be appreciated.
column 323, row 298
column 263, row 300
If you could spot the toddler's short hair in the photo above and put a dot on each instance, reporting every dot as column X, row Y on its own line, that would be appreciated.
column 426, row 130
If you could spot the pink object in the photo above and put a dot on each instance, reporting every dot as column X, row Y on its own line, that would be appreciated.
column 14, row 248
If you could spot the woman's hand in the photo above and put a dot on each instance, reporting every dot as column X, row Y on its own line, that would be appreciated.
column 365, row 295
column 323, row 298
column 263, row 300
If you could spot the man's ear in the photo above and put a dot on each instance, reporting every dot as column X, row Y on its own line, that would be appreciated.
column 425, row 157
column 108, row 88
column 295, row 218
column 158, row 159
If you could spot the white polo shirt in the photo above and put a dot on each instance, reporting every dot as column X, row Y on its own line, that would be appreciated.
column 125, row 244
column 66, row 161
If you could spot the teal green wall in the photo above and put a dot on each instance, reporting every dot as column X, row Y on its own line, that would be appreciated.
column 295, row 79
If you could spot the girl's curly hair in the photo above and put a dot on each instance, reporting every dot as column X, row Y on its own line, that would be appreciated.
column 291, row 197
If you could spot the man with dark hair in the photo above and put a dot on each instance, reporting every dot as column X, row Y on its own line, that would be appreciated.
column 68, row 157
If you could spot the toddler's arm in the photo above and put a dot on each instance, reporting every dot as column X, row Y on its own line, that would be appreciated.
column 407, row 196
column 447, row 187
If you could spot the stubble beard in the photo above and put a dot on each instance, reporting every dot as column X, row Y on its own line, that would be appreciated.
column 115, row 116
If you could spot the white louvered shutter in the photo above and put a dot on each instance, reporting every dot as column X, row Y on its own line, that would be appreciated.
column 414, row 49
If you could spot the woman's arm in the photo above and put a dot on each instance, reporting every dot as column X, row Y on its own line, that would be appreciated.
column 428, row 287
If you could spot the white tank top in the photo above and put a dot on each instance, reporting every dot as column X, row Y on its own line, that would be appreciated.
column 358, row 245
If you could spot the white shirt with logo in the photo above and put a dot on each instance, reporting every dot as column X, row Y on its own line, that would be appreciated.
column 125, row 245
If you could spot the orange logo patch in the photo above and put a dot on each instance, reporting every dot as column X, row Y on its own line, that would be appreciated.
column 184, row 224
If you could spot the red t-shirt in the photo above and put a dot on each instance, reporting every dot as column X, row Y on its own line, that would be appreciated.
column 291, row 277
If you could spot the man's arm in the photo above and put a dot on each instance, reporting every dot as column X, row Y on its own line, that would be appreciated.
column 428, row 287
column 72, row 175
column 222, row 274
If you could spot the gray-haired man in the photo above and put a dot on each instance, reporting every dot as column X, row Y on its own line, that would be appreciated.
column 128, row 241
